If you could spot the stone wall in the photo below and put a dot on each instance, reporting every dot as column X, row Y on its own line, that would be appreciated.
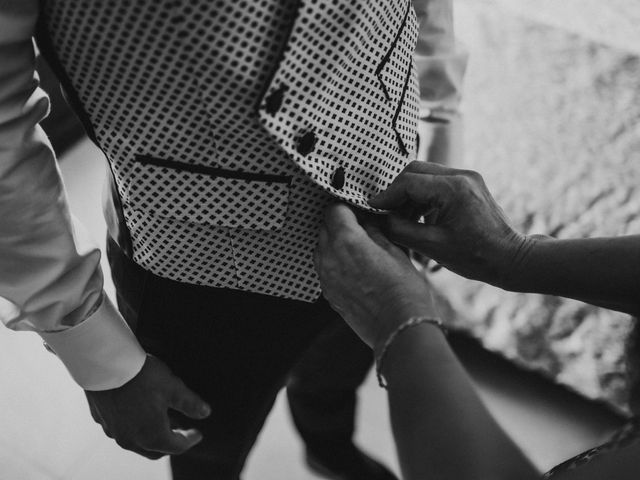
column 552, row 120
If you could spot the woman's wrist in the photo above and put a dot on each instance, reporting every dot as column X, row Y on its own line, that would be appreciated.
column 523, row 254
column 424, row 340
column 515, row 262
column 393, row 314
column 381, row 350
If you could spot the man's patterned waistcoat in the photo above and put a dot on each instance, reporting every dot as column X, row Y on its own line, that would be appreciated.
column 228, row 125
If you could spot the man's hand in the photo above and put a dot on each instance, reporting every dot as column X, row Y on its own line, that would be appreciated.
column 464, row 229
column 367, row 279
column 136, row 415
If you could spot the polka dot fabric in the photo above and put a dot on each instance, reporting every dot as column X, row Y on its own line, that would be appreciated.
column 352, row 83
column 199, row 106
column 264, row 202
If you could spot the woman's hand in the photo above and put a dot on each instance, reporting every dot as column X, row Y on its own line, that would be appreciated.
column 465, row 230
column 367, row 279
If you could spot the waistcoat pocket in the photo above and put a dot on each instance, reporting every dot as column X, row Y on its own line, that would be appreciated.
column 207, row 195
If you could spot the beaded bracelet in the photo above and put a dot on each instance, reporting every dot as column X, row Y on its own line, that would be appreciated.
column 412, row 322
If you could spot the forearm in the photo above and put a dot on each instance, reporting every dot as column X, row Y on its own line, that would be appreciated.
column 441, row 427
column 441, row 65
column 440, row 61
column 50, row 279
column 600, row 271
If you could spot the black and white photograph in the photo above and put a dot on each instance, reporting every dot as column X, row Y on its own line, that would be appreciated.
column 319, row 239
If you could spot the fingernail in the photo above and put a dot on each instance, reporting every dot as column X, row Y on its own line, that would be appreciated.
column 205, row 410
column 435, row 267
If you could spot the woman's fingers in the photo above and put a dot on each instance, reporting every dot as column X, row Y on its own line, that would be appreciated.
column 420, row 190
column 406, row 188
column 431, row 168
column 433, row 186
column 380, row 239
column 323, row 242
column 323, row 237
column 339, row 218
column 343, row 232
column 425, row 184
column 426, row 239
column 412, row 185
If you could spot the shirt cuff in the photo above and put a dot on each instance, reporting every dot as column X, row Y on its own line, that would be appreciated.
column 101, row 353
column 441, row 140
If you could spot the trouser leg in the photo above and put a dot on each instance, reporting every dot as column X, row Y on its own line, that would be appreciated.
column 322, row 386
column 233, row 348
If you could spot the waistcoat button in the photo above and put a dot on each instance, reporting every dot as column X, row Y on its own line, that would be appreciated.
column 306, row 143
column 273, row 102
column 337, row 178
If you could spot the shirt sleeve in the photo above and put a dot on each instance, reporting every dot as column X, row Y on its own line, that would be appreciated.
column 441, row 64
column 50, row 278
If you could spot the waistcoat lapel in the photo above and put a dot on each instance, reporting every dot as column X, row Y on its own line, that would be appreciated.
column 344, row 100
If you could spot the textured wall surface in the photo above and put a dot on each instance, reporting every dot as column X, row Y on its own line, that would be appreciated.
column 552, row 122
column 610, row 22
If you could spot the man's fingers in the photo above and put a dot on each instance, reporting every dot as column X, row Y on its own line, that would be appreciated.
column 182, row 440
column 151, row 455
column 169, row 442
column 157, row 438
column 188, row 403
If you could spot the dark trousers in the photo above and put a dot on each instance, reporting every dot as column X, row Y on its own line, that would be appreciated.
column 237, row 350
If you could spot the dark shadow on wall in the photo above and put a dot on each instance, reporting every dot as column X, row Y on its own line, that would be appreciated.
column 62, row 126
column 497, row 374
